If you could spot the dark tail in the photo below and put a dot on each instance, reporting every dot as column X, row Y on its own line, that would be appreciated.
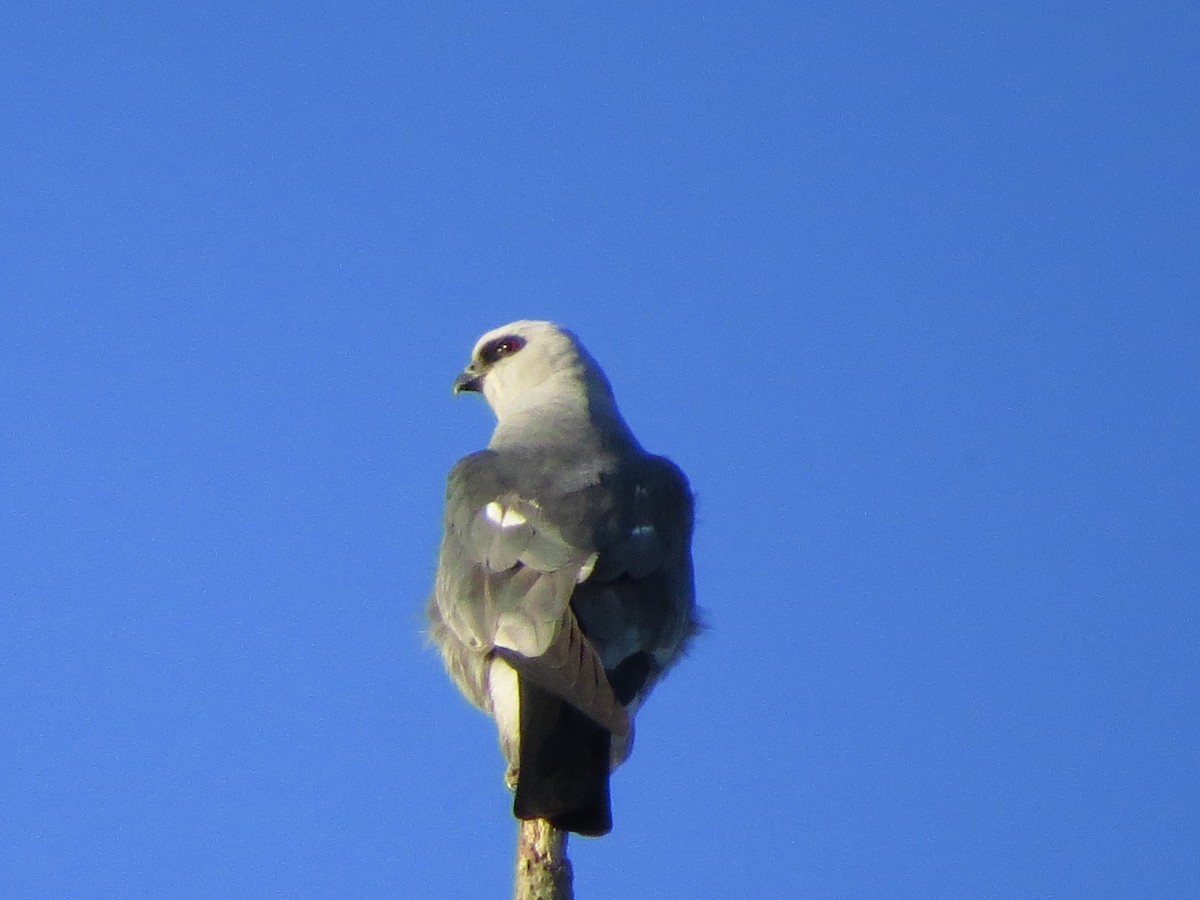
column 564, row 765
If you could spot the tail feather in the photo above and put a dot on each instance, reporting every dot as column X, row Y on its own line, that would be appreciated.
column 564, row 765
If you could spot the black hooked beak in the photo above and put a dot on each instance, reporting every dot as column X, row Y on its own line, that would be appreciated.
column 468, row 381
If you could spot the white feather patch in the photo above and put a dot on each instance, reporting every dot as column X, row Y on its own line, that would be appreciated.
column 506, row 704
column 512, row 519
column 505, row 518
column 586, row 569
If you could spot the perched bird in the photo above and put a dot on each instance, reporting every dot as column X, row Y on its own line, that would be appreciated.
column 564, row 585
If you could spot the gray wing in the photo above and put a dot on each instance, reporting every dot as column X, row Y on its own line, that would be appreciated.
column 637, row 607
column 506, row 574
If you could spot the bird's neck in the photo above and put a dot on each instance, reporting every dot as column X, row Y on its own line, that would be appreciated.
column 577, row 413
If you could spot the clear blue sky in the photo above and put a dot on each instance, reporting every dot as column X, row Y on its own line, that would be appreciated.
column 909, row 290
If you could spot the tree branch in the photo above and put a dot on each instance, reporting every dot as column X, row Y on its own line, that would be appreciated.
column 543, row 870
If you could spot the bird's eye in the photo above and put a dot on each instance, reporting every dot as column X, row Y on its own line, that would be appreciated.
column 496, row 350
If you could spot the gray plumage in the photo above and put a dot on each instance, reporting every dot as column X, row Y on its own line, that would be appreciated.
column 564, row 584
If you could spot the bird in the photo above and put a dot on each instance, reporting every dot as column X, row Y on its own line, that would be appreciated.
column 564, row 588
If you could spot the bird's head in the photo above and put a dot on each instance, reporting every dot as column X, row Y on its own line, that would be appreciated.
column 514, row 365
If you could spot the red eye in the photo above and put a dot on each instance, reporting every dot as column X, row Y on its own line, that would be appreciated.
column 500, row 348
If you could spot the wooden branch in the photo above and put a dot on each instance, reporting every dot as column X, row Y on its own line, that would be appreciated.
column 543, row 870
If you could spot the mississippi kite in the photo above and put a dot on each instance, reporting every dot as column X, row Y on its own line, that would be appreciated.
column 564, row 584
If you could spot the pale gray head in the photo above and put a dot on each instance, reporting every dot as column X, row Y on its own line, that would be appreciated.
column 530, row 363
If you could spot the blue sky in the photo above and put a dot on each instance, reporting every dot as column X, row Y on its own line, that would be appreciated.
column 909, row 291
